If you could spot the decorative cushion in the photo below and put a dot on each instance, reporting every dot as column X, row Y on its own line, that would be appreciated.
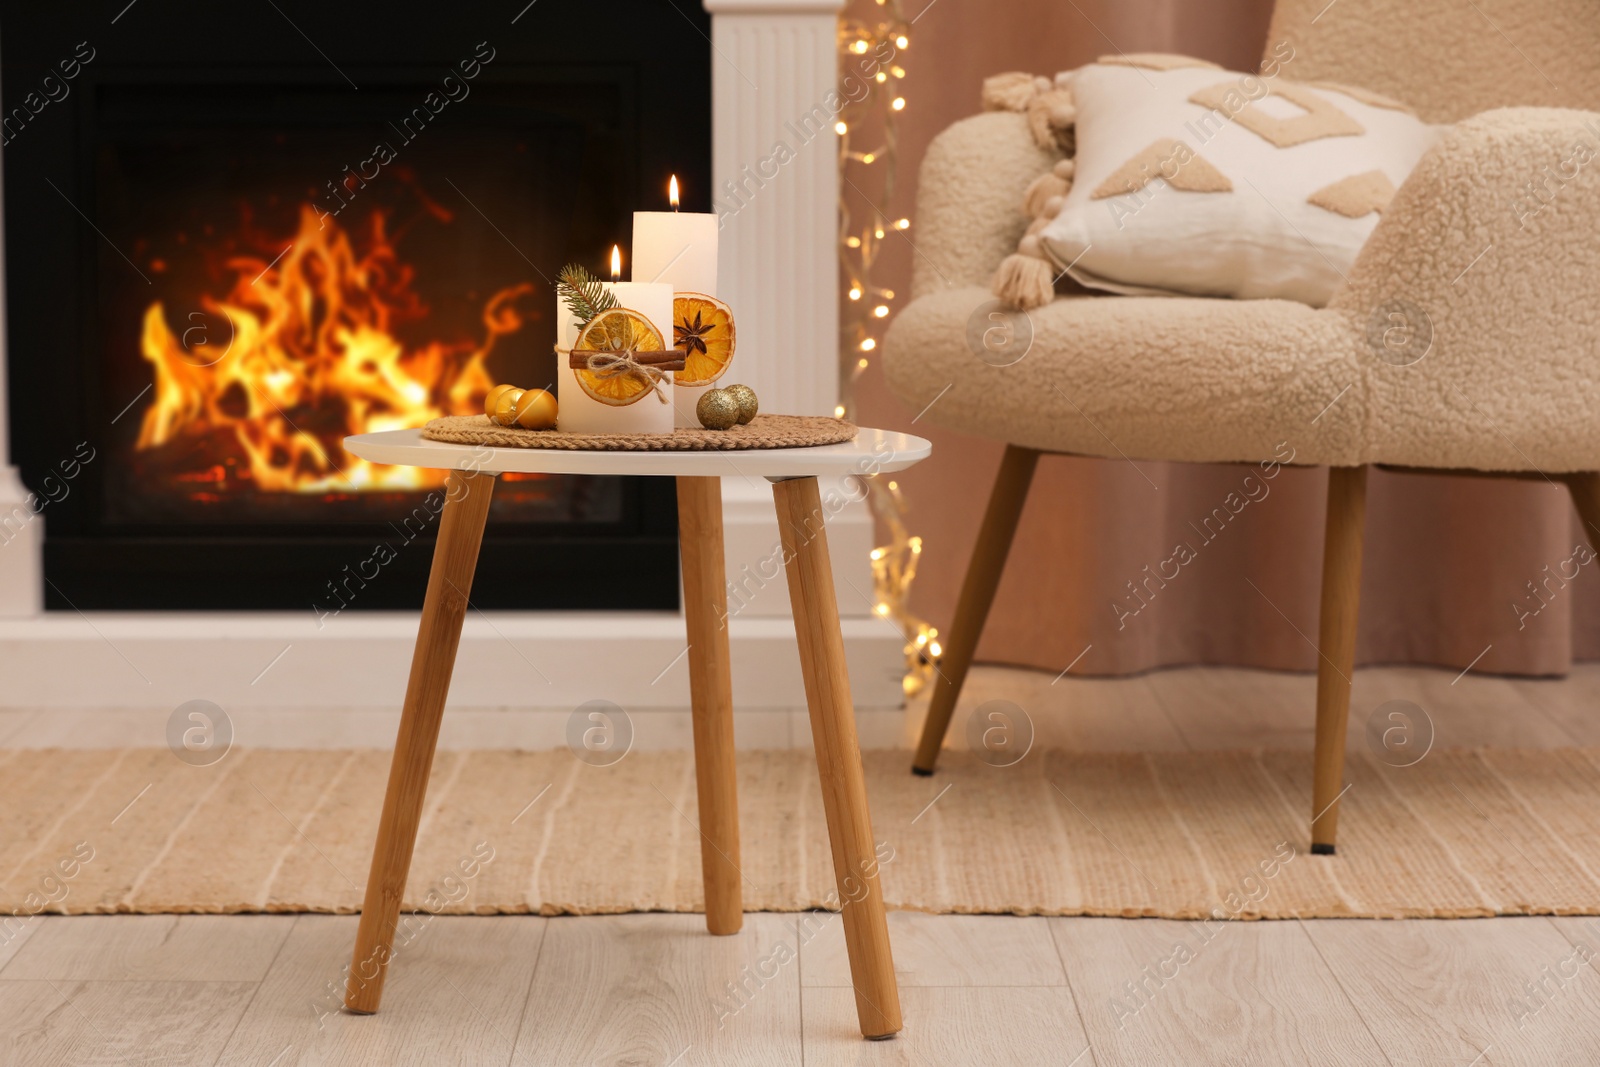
column 1192, row 179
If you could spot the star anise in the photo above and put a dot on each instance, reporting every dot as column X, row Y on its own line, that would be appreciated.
column 691, row 336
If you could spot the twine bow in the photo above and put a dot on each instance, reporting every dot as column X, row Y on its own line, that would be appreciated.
column 615, row 364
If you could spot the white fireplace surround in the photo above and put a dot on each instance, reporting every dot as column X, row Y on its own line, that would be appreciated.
column 773, row 64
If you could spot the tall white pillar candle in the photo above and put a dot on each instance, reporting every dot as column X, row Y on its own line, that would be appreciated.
column 679, row 247
column 577, row 411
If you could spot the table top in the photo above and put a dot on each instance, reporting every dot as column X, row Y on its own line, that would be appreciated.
column 872, row 452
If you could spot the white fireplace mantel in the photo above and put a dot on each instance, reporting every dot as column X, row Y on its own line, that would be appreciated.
column 773, row 65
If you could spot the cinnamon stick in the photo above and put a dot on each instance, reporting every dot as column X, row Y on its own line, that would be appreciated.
column 667, row 359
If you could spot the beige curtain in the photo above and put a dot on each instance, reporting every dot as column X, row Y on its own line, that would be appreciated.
column 1458, row 571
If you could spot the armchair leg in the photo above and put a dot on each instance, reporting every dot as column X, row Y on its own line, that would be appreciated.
column 1585, row 489
column 1341, row 596
column 977, row 594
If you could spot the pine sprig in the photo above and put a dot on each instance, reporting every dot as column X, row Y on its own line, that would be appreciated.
column 583, row 293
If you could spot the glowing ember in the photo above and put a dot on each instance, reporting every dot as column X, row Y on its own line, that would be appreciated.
column 311, row 356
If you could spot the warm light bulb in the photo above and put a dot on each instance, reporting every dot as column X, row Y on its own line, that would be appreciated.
column 882, row 77
column 862, row 363
column 840, row 128
column 672, row 192
column 868, row 345
column 902, row 224
column 893, row 486
column 881, row 311
column 887, row 294
column 859, row 47
column 898, row 72
column 878, row 233
column 616, row 263
column 933, row 647
column 868, row 158
column 899, row 103
column 852, row 242
column 901, row 42
column 838, row 411
column 855, row 293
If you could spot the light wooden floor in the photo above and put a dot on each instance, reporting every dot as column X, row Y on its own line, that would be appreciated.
column 657, row 990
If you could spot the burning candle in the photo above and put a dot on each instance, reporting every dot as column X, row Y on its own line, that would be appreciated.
column 680, row 248
column 581, row 413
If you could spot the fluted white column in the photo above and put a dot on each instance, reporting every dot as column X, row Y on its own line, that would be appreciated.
column 21, row 528
column 775, row 177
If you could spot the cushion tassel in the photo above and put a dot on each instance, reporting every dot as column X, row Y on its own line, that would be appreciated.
column 1043, row 188
column 1024, row 282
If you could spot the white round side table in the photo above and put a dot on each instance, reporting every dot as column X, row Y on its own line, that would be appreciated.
column 794, row 473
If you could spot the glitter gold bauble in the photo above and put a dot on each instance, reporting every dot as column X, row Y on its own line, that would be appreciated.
column 535, row 409
column 746, row 398
column 494, row 395
column 505, row 407
column 717, row 410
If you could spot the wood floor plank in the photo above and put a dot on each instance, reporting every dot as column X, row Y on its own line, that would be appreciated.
column 946, row 1027
column 658, row 989
column 1441, row 991
column 16, row 931
column 1237, row 993
column 1467, row 711
column 179, row 948
column 454, row 995
column 1230, row 708
column 944, row 950
column 1571, row 702
column 162, row 1024
column 1071, row 713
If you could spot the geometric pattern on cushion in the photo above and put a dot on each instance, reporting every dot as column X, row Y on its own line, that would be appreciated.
column 1170, row 160
column 1319, row 118
column 1355, row 196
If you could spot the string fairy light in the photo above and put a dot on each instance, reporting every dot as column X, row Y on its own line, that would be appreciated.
column 869, row 50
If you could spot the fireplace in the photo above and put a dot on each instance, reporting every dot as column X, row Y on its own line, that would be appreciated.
column 217, row 270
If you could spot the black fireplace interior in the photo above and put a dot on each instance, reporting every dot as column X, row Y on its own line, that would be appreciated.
column 234, row 235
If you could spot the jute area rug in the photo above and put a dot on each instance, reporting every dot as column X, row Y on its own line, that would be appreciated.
column 1176, row 835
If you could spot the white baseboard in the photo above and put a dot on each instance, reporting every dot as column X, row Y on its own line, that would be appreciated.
column 464, row 728
column 507, row 659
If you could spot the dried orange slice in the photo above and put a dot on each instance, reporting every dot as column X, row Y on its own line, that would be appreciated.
column 703, row 327
column 611, row 331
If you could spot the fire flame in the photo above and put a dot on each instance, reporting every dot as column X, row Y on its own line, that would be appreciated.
column 311, row 356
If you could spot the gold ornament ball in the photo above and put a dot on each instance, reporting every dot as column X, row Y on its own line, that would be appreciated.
column 505, row 407
column 745, row 397
column 717, row 409
column 535, row 409
column 494, row 395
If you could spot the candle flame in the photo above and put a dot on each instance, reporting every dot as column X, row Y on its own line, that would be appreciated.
column 616, row 263
column 672, row 192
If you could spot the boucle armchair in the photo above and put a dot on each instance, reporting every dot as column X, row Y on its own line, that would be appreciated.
column 1484, row 268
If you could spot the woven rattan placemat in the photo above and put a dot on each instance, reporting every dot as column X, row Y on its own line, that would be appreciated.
column 763, row 431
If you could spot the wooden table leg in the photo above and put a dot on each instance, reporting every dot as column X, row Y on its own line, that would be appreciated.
column 455, row 557
column 833, row 729
column 705, row 609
